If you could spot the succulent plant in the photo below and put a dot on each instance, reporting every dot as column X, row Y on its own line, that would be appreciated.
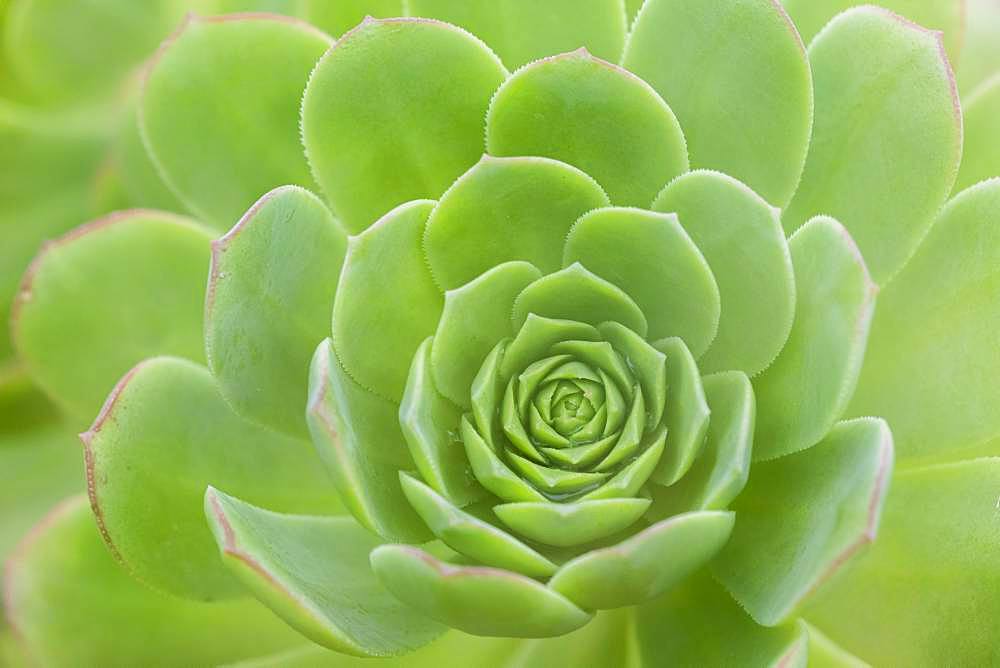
column 609, row 374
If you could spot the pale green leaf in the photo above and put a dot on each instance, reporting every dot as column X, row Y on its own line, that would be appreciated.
column 687, row 412
column 887, row 134
column 980, row 57
column 375, row 142
column 569, row 524
column 981, row 125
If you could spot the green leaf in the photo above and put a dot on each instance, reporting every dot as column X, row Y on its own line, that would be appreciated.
column 802, row 517
column 72, row 605
column 741, row 238
column 932, row 366
column 147, row 471
column 648, row 364
column 141, row 183
column 521, row 31
column 645, row 565
column 721, row 470
column 725, row 67
column 698, row 624
column 686, row 415
column 430, row 425
column 472, row 537
column 387, row 303
column 359, row 438
column 51, row 47
column 650, row 257
column 376, row 142
column 885, row 97
column 824, row 653
column 574, row 293
column 980, row 57
column 507, row 209
column 629, row 480
column 536, row 337
column 491, row 472
column 930, row 580
column 807, row 389
column 606, row 642
column 948, row 16
column 554, row 481
column 336, row 18
column 479, row 600
column 219, row 110
column 570, row 524
column 314, row 573
column 264, row 313
column 127, row 286
column 981, row 127
column 476, row 316
column 593, row 115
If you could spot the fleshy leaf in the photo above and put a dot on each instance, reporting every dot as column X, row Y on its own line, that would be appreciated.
column 810, row 16
column 569, row 524
column 377, row 142
column 126, row 287
column 802, row 517
column 606, row 642
column 536, row 337
column 72, row 605
column 387, row 303
column 648, row 363
column 741, row 237
column 147, row 471
column 699, row 624
column 628, row 481
column 314, row 573
column 721, row 470
column 359, row 438
column 476, row 316
column 645, row 565
column 687, row 412
column 574, row 293
column 265, row 313
column 930, row 580
column 430, row 426
column 981, row 127
column 524, row 30
column 475, row 599
column 224, row 134
column 651, row 257
column 336, row 18
column 507, row 209
column 491, row 472
column 806, row 390
column 552, row 480
column 887, row 134
column 932, row 366
column 593, row 115
column 471, row 536
column 724, row 67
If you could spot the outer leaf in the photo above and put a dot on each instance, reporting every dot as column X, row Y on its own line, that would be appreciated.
column 574, row 293
column 147, row 471
column 126, row 286
column 981, row 125
column 807, row 388
column 483, row 601
column 741, row 238
column 724, row 66
column 475, row 318
column 72, row 605
column 376, row 142
column 606, row 642
column 687, row 412
column 593, row 115
column 522, row 30
column 802, row 517
column 507, row 209
column 885, row 96
column 314, row 573
column 932, row 365
column 651, row 257
column 646, row 565
column 721, row 470
column 980, row 57
column 224, row 134
column 930, row 581
column 948, row 16
column 699, row 624
column 270, row 290
column 358, row 437
column 387, row 303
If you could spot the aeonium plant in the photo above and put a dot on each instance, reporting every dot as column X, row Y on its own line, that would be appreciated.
column 622, row 362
